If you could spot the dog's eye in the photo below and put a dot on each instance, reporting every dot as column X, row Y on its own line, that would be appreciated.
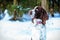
column 36, row 9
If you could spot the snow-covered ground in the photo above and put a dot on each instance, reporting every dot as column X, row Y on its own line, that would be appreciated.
column 16, row 30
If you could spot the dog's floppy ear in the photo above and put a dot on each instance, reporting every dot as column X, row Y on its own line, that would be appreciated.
column 30, row 12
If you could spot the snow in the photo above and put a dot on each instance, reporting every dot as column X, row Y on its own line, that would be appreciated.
column 16, row 30
column 26, row 17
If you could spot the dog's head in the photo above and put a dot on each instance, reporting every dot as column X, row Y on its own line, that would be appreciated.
column 39, row 13
column 36, row 12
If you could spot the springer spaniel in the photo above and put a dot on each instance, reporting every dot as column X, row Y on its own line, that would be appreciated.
column 38, row 13
column 39, row 17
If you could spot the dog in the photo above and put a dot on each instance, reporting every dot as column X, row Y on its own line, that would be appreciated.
column 39, row 13
column 39, row 17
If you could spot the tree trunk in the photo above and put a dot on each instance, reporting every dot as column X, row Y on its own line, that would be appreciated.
column 44, row 4
column 15, row 2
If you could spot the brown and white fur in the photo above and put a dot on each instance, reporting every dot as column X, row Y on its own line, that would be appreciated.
column 39, row 13
column 39, row 17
